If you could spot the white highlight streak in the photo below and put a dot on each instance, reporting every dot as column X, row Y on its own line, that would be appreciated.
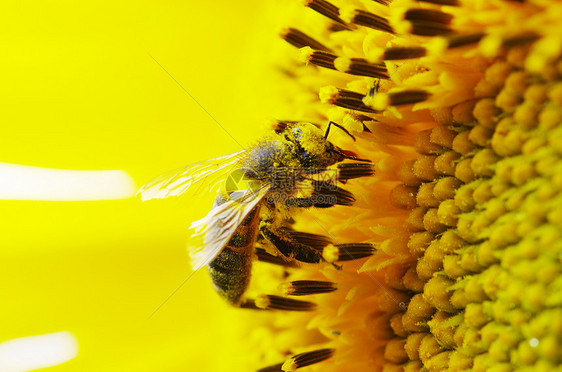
column 20, row 182
column 29, row 353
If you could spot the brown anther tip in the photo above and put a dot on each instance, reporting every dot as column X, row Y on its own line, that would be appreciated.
column 399, row 53
column 272, row 302
column 326, row 9
column 442, row 2
column 300, row 40
column 367, row 19
column 457, row 41
column 307, row 359
column 308, row 287
column 361, row 67
column 354, row 251
column 428, row 15
column 407, row 97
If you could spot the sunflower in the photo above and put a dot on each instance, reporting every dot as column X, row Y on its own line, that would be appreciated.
column 458, row 104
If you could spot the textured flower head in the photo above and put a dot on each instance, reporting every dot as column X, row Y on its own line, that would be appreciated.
column 458, row 104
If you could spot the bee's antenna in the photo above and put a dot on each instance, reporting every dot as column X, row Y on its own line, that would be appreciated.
column 339, row 126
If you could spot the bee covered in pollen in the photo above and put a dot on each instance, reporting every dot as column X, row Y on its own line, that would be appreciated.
column 257, row 190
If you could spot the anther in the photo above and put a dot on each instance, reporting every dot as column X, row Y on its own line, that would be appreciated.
column 326, row 9
column 427, row 15
column 307, row 359
column 344, row 98
column 332, row 194
column 519, row 40
column 456, row 41
column 396, row 53
column 363, row 18
column 361, row 67
column 382, row 101
column 272, row 302
column 312, row 240
column 318, row 57
column 348, row 252
column 307, row 287
column 348, row 171
column 299, row 39
column 442, row 2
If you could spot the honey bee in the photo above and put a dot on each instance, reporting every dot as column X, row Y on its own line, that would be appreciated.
column 256, row 191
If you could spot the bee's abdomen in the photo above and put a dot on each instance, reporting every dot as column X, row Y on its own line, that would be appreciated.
column 230, row 271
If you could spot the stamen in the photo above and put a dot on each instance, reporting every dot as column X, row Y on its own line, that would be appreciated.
column 318, row 57
column 424, row 28
column 355, row 251
column 428, row 15
column 361, row 67
column 299, row 39
column 348, row 252
column 382, row 101
column 348, row 171
column 311, row 240
column 330, row 191
column 394, row 53
column 344, row 98
column 441, row 2
column 307, row 359
column 363, row 18
column 519, row 40
column 326, row 9
column 272, row 302
column 274, row 368
column 456, row 41
column 307, row 287
column 267, row 257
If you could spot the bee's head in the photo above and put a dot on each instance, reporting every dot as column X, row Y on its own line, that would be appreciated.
column 313, row 150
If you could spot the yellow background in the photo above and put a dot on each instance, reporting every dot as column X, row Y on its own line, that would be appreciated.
column 79, row 90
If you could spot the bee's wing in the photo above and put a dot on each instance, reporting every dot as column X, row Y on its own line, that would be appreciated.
column 205, row 176
column 209, row 235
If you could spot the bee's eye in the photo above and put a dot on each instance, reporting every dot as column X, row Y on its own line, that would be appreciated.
column 297, row 133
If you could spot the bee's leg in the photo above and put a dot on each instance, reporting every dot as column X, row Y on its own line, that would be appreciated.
column 264, row 256
column 288, row 247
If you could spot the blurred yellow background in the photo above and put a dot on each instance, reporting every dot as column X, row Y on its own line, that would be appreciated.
column 80, row 91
